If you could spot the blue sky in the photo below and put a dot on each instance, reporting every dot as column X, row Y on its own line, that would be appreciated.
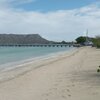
column 52, row 5
column 53, row 19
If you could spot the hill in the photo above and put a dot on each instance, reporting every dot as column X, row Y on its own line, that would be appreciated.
column 7, row 39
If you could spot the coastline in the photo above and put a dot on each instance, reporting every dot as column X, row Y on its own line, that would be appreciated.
column 27, row 59
column 20, row 68
column 70, row 76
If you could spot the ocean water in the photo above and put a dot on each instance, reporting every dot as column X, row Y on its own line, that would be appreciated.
column 15, row 55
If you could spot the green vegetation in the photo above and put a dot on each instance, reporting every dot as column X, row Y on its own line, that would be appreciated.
column 98, row 70
column 81, row 40
column 96, row 41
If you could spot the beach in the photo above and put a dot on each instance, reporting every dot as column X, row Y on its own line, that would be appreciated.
column 68, row 76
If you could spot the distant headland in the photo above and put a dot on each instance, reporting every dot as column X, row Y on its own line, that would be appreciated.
column 12, row 39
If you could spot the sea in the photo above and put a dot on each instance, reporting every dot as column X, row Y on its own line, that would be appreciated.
column 11, row 56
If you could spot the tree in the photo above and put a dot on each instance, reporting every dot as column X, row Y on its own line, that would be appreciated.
column 63, row 42
column 81, row 40
column 96, row 41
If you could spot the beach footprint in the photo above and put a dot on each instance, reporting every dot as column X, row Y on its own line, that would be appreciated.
column 69, row 95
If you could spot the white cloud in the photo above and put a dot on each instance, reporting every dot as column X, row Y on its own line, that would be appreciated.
column 56, row 25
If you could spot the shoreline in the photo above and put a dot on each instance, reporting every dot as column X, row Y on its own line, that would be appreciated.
column 21, row 68
column 31, row 59
column 14, row 56
column 71, row 76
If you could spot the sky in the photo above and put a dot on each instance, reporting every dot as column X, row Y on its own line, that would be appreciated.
column 55, row 20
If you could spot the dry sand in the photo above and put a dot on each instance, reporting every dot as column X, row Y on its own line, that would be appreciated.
column 67, row 77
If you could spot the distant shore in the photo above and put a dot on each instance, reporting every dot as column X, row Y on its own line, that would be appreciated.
column 68, row 76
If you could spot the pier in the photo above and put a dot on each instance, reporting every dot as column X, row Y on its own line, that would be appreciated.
column 39, row 45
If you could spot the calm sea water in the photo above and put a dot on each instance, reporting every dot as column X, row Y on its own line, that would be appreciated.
column 10, row 55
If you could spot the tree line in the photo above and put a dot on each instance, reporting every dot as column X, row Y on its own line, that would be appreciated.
column 82, row 39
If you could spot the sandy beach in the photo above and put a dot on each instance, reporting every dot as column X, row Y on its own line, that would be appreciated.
column 70, row 76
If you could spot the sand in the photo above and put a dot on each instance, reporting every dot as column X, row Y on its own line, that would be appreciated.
column 70, row 76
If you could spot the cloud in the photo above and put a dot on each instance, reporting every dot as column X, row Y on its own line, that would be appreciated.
column 55, row 25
